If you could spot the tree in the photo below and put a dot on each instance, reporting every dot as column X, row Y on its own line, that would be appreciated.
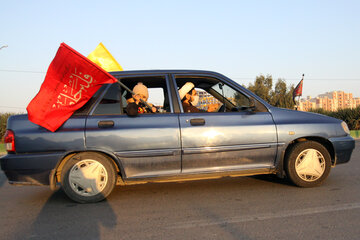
column 281, row 96
column 262, row 87
column 3, row 122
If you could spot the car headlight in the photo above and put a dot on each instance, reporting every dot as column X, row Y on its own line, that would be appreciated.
column 345, row 127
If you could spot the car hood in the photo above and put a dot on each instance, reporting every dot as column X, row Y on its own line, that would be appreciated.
column 282, row 115
column 293, row 124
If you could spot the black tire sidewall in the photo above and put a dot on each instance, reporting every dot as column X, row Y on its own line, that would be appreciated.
column 294, row 153
column 93, row 156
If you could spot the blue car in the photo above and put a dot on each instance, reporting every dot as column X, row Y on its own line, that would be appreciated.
column 228, row 131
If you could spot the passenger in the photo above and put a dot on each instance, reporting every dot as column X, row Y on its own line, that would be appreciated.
column 135, row 106
column 189, row 99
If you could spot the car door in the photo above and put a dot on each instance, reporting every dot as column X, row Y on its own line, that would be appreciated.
column 236, row 139
column 147, row 145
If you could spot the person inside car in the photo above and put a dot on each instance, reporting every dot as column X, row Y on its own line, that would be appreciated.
column 135, row 105
column 189, row 99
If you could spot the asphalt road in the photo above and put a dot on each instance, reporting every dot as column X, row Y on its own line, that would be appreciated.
column 261, row 207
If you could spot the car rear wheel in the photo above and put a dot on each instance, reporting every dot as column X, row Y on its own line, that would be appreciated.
column 308, row 164
column 88, row 177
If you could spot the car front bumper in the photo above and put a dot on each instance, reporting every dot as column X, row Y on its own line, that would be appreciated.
column 29, row 169
column 343, row 147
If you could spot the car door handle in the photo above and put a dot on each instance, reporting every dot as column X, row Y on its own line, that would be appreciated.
column 197, row 121
column 106, row 124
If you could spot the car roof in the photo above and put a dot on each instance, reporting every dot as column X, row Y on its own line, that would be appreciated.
column 164, row 71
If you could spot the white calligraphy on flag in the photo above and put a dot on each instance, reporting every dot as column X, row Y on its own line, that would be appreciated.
column 72, row 91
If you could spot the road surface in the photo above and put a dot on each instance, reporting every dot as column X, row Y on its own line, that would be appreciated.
column 261, row 207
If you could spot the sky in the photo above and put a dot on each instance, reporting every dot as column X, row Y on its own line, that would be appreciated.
column 240, row 39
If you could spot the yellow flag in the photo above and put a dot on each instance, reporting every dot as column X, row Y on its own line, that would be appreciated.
column 102, row 57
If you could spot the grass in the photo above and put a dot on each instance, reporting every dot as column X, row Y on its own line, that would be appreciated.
column 355, row 133
column 2, row 148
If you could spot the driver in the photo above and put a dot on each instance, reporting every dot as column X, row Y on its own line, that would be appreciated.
column 189, row 99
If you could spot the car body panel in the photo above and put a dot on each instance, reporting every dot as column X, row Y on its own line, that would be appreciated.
column 39, row 151
column 293, row 124
column 31, row 168
column 146, row 145
column 31, row 138
column 227, row 141
column 343, row 147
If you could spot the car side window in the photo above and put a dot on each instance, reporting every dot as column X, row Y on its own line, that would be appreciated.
column 213, row 96
column 157, row 98
column 110, row 103
column 84, row 110
column 117, row 97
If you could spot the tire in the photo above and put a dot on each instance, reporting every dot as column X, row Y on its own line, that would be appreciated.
column 88, row 177
column 308, row 164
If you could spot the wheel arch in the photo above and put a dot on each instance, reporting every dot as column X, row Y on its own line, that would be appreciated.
column 323, row 141
column 112, row 158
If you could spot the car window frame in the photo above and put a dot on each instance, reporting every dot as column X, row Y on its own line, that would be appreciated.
column 165, row 76
column 220, row 79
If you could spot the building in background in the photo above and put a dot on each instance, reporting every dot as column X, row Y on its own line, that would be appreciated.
column 205, row 99
column 330, row 101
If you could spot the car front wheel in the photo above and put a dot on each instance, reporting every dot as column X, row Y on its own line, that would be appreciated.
column 88, row 177
column 308, row 164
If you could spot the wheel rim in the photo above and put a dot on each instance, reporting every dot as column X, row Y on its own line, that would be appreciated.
column 310, row 165
column 88, row 177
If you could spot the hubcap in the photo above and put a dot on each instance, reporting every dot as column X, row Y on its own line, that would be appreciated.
column 310, row 165
column 88, row 177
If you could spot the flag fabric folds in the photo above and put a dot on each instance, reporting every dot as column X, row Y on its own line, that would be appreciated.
column 71, row 80
column 103, row 58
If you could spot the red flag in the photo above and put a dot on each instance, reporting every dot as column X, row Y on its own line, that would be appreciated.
column 298, row 89
column 70, row 82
